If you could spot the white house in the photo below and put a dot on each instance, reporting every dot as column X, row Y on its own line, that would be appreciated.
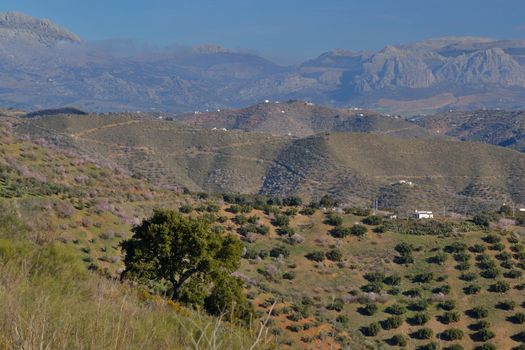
column 423, row 214
column 522, row 209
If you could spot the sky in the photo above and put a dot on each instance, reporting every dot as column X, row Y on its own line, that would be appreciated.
column 286, row 30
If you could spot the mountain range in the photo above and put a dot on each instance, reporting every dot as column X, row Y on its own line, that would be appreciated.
column 45, row 66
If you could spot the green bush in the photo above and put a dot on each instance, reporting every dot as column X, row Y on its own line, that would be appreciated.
column 452, row 334
column 373, row 220
column 392, row 322
column 399, row 340
column 316, row 256
column 472, row 289
column 423, row 333
column 358, row 230
column 334, row 255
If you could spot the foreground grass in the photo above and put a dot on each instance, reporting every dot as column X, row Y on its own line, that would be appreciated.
column 49, row 301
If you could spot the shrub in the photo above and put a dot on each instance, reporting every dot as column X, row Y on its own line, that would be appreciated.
column 484, row 335
column 419, row 319
column 277, row 251
column 404, row 248
column 439, row 258
column 513, row 274
column 374, row 276
column 316, row 256
column 334, row 255
column 500, row 287
column 396, row 309
column 420, row 305
column 373, row 220
column 507, row 305
column 373, row 287
column 455, row 347
column 492, row 239
column 448, row 305
column 482, row 220
column 452, row 334
column 456, row 247
column 423, row 278
column 336, row 305
column 449, row 317
column 472, row 289
column 423, row 333
column 392, row 280
column 358, row 230
column 479, row 312
column 392, row 322
column 468, row 276
column 341, row 232
column 398, row 340
column 429, row 346
column 487, row 346
column 290, row 275
column 281, row 220
column 490, row 273
column 372, row 330
column 333, row 219
column 369, row 309
column 477, row 248
column 518, row 318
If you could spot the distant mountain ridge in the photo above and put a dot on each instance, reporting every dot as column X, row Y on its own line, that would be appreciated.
column 20, row 27
column 45, row 66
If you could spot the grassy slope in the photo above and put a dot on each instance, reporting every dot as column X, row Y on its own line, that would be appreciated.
column 61, row 213
column 356, row 167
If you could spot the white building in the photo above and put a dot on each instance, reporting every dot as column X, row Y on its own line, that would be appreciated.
column 423, row 214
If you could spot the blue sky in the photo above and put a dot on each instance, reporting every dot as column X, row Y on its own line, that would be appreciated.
column 289, row 30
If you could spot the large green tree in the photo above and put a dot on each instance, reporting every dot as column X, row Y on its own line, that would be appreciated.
column 179, row 251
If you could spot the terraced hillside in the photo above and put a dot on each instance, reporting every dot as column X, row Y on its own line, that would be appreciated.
column 355, row 167
column 302, row 119
column 502, row 128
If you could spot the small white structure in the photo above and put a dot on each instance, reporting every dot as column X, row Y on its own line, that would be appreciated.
column 405, row 182
column 522, row 209
column 266, row 101
column 224, row 129
column 423, row 214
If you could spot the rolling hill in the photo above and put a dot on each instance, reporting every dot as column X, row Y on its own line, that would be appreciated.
column 502, row 128
column 301, row 119
column 355, row 167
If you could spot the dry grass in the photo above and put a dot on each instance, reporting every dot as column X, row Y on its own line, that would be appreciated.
column 49, row 301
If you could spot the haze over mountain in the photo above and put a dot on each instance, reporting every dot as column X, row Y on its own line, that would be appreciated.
column 44, row 66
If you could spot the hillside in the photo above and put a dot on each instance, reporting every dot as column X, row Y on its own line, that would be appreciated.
column 62, row 217
column 355, row 167
column 45, row 66
column 506, row 129
column 301, row 119
column 327, row 279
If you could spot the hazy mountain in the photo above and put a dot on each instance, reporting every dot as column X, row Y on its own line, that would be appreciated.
column 17, row 27
column 45, row 66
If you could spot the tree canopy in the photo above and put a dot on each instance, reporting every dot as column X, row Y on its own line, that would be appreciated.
column 193, row 263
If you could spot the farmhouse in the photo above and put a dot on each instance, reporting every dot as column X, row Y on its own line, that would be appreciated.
column 423, row 214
